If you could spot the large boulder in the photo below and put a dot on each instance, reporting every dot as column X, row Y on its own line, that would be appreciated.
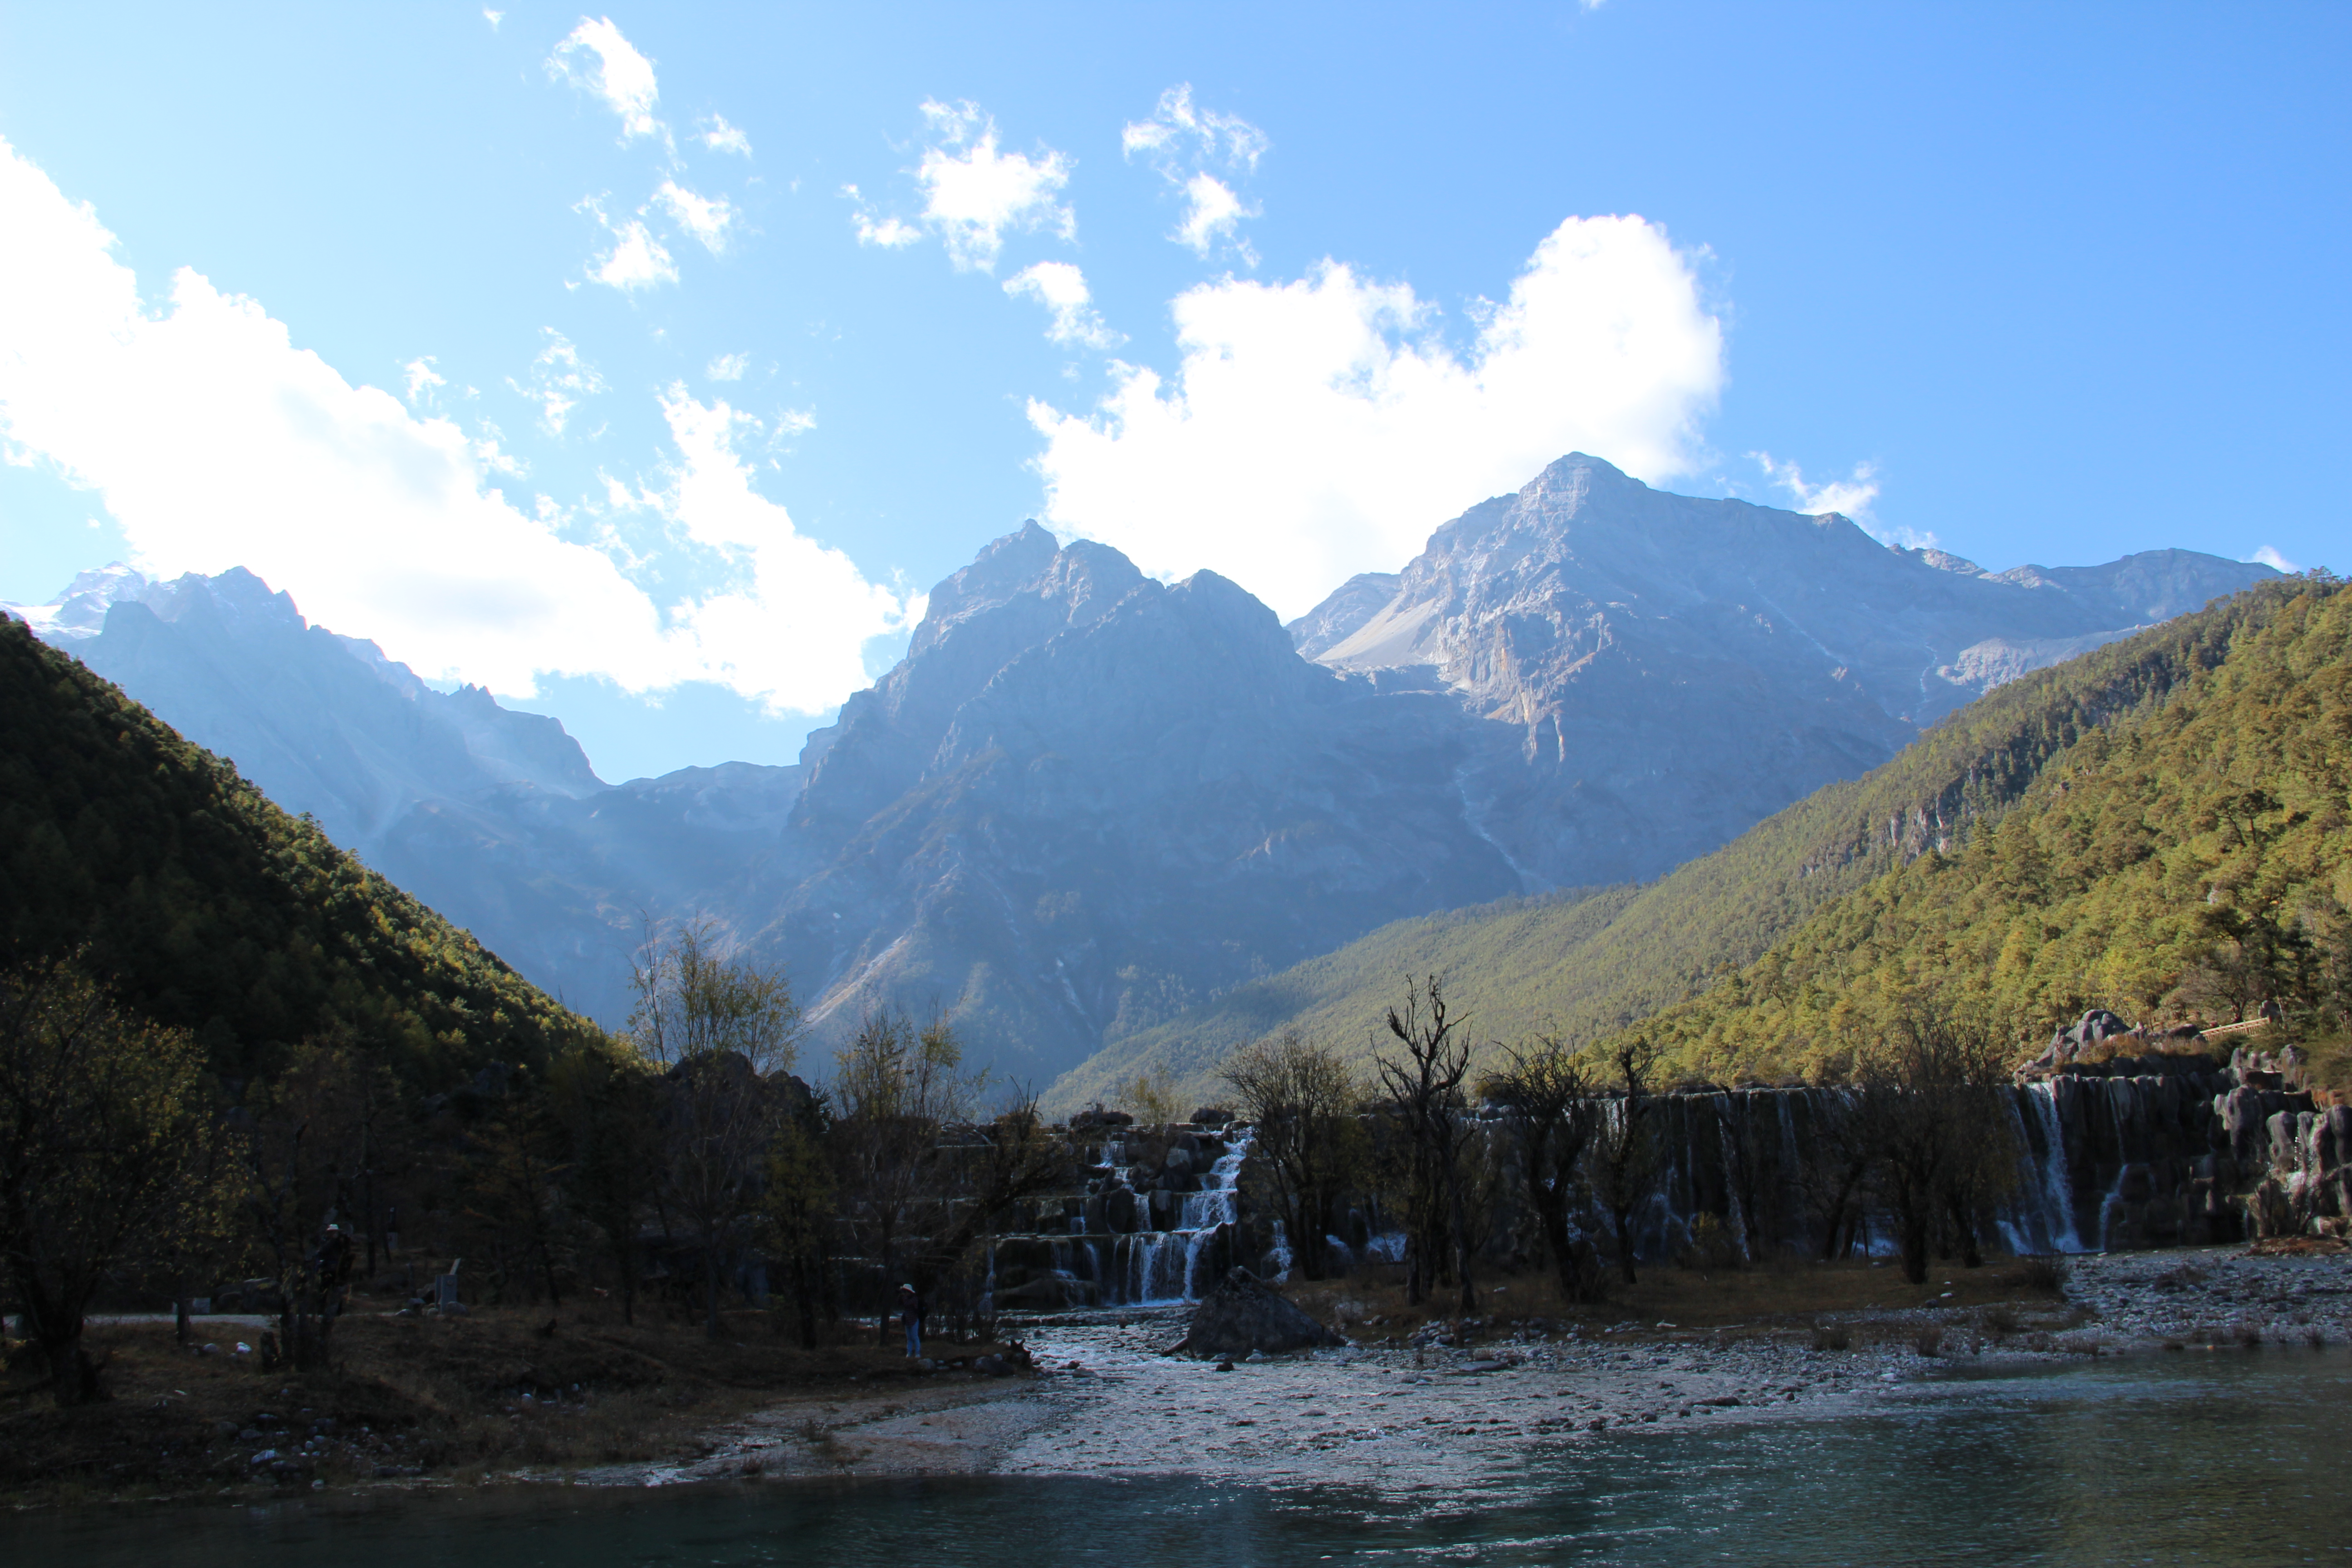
column 1244, row 1313
column 2093, row 1026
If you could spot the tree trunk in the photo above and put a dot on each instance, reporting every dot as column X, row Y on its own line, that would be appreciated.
column 1915, row 1244
column 710, row 1283
column 804, row 1297
column 1830, row 1249
column 73, row 1377
column 1624, row 1217
column 1965, row 1225
column 1553, row 1212
column 1461, row 1239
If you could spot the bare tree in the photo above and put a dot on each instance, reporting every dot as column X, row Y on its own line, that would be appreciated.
column 1836, row 1169
column 1930, row 1101
column 1623, row 1164
column 720, row 1028
column 1150, row 1097
column 1423, row 1088
column 1551, row 1107
column 1302, row 1099
column 896, row 1088
column 1018, row 1159
column 799, row 1202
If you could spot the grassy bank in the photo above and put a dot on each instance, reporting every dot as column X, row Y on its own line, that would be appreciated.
column 462, row 1399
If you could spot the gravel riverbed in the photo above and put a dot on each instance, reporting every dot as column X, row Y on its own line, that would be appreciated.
column 1109, row 1401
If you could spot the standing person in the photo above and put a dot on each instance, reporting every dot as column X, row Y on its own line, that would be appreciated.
column 911, row 1312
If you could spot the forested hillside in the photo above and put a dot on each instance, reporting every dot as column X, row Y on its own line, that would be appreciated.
column 1586, row 968
column 211, row 909
column 2190, row 859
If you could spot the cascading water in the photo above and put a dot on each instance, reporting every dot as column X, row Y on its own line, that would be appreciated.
column 1136, row 1235
column 1168, row 1264
column 2043, row 1218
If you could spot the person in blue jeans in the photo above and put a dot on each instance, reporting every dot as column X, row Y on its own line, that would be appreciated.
column 911, row 1312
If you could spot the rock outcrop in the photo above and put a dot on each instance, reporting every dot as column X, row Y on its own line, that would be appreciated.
column 1243, row 1314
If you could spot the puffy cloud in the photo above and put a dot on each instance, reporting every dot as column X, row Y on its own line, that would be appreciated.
column 1318, row 428
column 721, row 137
column 2269, row 556
column 1061, row 288
column 707, row 218
column 792, row 626
column 1212, row 213
column 215, row 442
column 726, row 367
column 493, row 18
column 617, row 73
column 1183, row 142
column 637, row 260
column 974, row 194
column 560, row 379
column 890, row 233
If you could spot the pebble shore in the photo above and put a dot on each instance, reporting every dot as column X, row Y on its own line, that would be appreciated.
column 1109, row 1401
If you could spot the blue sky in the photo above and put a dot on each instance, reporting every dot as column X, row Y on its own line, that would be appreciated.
column 703, row 341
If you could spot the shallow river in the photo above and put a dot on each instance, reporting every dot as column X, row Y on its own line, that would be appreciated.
column 2207, row 1458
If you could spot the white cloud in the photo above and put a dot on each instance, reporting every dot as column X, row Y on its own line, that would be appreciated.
column 2269, row 556
column 726, row 367
column 974, row 194
column 1177, row 126
column 792, row 627
column 560, row 379
column 619, row 75
column 1062, row 289
column 1183, row 142
column 493, row 18
column 1317, row 428
column 421, row 377
column 721, row 137
column 1850, row 497
column 215, row 442
column 706, row 218
column 1212, row 213
column 889, row 233
column 636, row 260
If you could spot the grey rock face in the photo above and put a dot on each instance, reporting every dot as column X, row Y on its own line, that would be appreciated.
column 1086, row 800
column 1654, row 674
column 1244, row 1314
column 1341, row 616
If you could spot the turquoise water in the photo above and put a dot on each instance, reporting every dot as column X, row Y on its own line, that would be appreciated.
column 2222, row 1458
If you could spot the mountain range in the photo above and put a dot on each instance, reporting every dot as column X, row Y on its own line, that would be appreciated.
column 1087, row 803
column 2081, row 836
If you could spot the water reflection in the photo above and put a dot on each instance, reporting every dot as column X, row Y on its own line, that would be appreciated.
column 2227, row 1458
